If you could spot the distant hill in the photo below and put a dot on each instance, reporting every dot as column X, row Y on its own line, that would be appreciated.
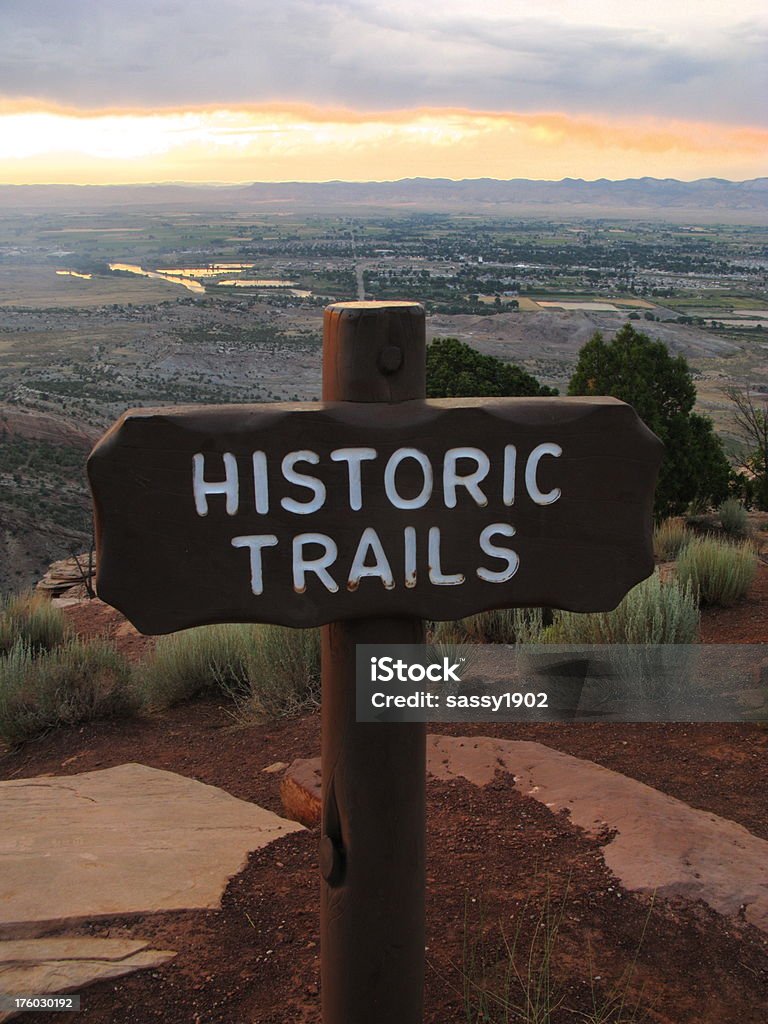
column 18, row 422
column 705, row 199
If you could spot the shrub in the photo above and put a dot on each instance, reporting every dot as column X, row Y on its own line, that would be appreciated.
column 669, row 538
column 283, row 672
column 717, row 573
column 733, row 518
column 493, row 627
column 265, row 670
column 449, row 631
column 653, row 612
column 33, row 620
column 205, row 660
column 528, row 625
column 485, row 627
column 500, row 626
column 76, row 682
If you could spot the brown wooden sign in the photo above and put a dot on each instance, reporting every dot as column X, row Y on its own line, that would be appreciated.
column 369, row 512
column 301, row 514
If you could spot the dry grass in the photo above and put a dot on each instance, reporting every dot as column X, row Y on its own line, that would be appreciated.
column 669, row 538
column 32, row 620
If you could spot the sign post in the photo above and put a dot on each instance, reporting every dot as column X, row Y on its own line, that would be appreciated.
column 374, row 775
column 365, row 514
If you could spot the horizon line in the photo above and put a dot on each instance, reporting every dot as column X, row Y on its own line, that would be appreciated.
column 186, row 183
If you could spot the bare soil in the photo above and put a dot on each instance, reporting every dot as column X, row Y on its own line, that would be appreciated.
column 257, row 958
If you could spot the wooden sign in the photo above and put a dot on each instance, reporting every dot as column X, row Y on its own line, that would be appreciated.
column 303, row 514
column 371, row 511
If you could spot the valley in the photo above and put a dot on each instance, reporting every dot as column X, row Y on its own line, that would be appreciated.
column 129, row 305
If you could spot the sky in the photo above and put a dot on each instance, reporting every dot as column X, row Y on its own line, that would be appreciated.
column 97, row 91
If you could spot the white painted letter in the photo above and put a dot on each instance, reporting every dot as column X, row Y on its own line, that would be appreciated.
column 409, row 557
column 303, row 508
column 256, row 543
column 530, row 474
column 510, row 464
column 260, row 482
column 370, row 542
column 452, row 479
column 202, row 487
column 489, row 548
column 395, row 459
column 319, row 566
column 436, row 574
column 353, row 457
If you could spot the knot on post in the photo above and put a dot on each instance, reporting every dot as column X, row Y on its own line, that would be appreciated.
column 390, row 359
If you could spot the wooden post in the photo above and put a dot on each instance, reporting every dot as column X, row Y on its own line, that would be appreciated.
column 373, row 828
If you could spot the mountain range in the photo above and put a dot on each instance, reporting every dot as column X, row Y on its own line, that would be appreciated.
column 707, row 198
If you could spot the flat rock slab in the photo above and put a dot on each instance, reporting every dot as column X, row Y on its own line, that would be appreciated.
column 660, row 843
column 46, row 966
column 122, row 840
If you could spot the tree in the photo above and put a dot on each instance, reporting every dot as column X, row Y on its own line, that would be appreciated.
column 751, row 416
column 642, row 372
column 456, row 370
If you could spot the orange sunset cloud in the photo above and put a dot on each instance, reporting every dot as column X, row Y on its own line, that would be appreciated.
column 306, row 143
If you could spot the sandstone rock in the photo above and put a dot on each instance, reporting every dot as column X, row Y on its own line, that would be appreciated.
column 660, row 844
column 59, row 965
column 67, row 575
column 300, row 791
column 122, row 840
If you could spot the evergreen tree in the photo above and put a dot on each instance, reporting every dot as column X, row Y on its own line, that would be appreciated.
column 659, row 386
column 456, row 370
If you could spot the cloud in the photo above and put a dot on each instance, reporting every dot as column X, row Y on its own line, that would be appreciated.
column 611, row 60
column 312, row 143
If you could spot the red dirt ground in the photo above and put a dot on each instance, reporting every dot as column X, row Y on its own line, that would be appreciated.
column 256, row 961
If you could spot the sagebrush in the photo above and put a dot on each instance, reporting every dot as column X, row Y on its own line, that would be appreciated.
column 195, row 662
column 656, row 611
column 283, row 672
column 500, row 626
column 267, row 670
column 718, row 573
column 75, row 682
column 733, row 518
